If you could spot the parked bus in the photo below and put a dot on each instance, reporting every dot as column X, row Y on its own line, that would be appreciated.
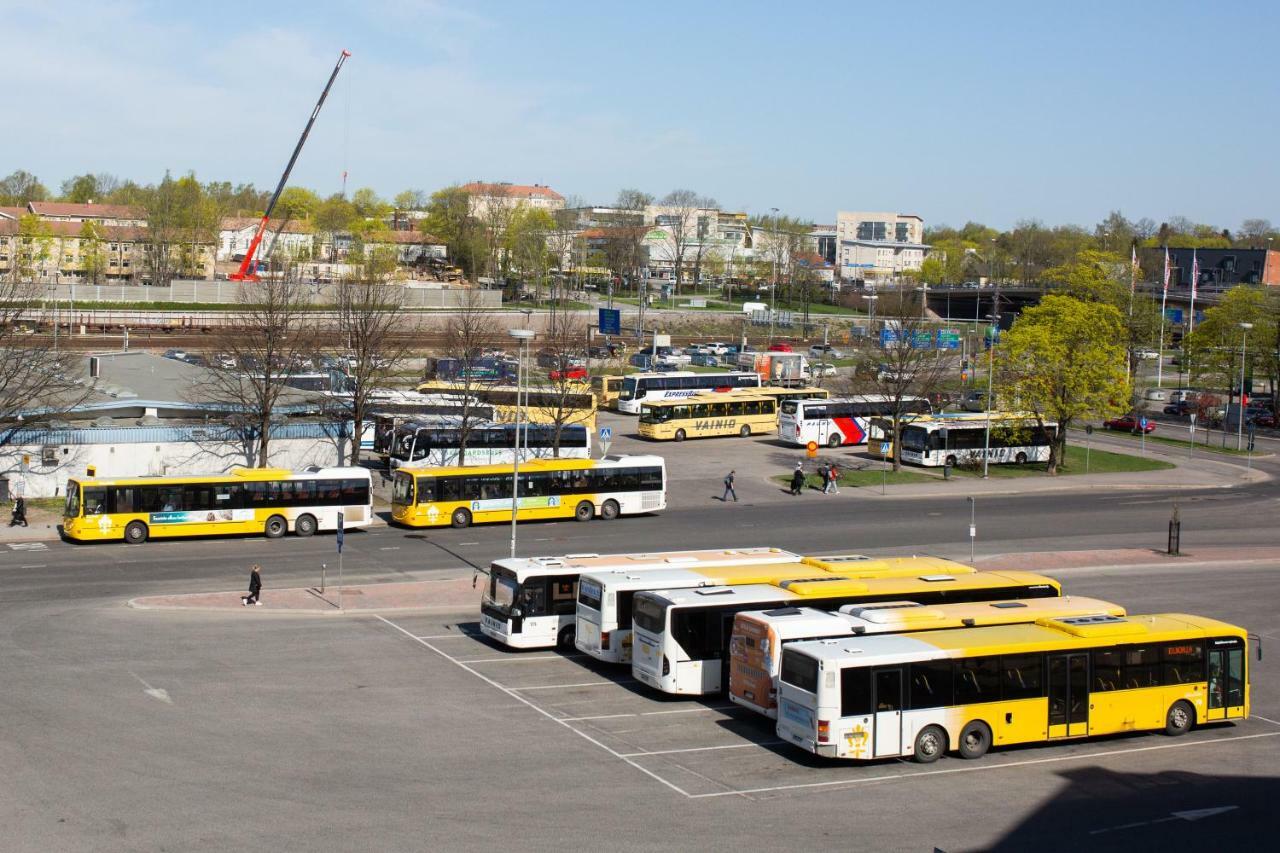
column 649, row 387
column 429, row 444
column 839, row 422
column 581, row 489
column 1071, row 677
column 524, row 604
column 539, row 405
column 737, row 413
column 680, row 638
column 269, row 501
column 607, row 389
column 759, row 636
column 389, row 411
column 605, row 597
column 1013, row 438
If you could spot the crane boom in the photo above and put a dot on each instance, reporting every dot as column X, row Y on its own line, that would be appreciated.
column 247, row 271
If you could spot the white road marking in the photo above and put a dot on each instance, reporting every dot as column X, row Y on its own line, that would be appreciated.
column 154, row 692
column 703, row 748
column 1265, row 719
column 541, row 711
column 523, row 658
column 579, row 684
column 28, row 546
column 454, row 635
column 35, row 566
column 652, row 713
column 975, row 769
column 1189, row 815
column 389, row 548
column 468, row 543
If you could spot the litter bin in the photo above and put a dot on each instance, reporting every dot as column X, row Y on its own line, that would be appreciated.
column 946, row 471
column 4, row 491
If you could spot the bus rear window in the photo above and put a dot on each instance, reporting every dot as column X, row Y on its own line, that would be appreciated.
column 648, row 615
column 800, row 670
column 589, row 593
column 789, row 407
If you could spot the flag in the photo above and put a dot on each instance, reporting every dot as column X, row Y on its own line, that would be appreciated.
column 1133, row 267
column 1195, row 273
column 1166, row 269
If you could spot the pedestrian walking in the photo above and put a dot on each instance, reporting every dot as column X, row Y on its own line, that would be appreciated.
column 19, row 516
column 825, row 473
column 797, row 479
column 255, row 588
column 728, row 489
column 834, row 480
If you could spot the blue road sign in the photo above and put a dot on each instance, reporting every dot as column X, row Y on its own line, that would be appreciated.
column 610, row 321
column 884, row 448
column 1142, row 424
column 606, row 433
column 341, row 532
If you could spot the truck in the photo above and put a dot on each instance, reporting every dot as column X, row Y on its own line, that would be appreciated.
column 778, row 368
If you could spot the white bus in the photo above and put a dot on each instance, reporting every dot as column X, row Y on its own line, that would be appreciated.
column 1013, row 438
column 438, row 443
column 605, row 599
column 680, row 638
column 648, row 387
column 759, row 636
column 839, row 422
column 531, row 602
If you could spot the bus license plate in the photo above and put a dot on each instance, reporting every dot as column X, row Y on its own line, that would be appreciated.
column 493, row 624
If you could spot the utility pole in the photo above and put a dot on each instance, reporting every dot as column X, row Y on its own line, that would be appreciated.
column 773, row 288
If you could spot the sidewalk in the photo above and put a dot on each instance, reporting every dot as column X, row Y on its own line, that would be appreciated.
column 1123, row 558
column 444, row 594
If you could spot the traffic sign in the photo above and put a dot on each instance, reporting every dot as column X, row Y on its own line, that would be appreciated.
column 341, row 532
column 1142, row 424
column 606, row 433
column 884, row 448
column 610, row 321
column 811, row 449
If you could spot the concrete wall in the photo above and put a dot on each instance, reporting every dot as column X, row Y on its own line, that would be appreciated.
column 229, row 293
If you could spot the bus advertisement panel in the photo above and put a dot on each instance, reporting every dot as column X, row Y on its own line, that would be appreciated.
column 739, row 413
column 1005, row 438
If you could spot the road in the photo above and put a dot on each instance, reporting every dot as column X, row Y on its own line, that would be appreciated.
column 128, row 730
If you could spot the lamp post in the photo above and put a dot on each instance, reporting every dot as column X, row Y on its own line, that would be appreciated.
column 870, row 299
column 524, row 336
column 773, row 288
column 1244, row 337
column 991, row 373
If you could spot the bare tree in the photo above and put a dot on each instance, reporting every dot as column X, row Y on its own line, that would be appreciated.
column 492, row 205
column 271, row 338
column 680, row 220
column 371, row 323
column 466, row 331
column 902, row 364
column 625, row 247
column 558, row 398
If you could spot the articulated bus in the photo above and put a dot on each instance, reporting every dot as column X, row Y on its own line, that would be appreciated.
column 268, row 501
column 839, row 422
column 680, row 641
column 1013, row 438
column 539, row 405
column 924, row 694
column 649, row 387
column 581, row 489
column 529, row 602
column 436, row 444
column 759, row 636
column 605, row 598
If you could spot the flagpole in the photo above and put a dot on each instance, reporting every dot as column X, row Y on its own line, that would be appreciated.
column 1164, row 300
column 1195, row 275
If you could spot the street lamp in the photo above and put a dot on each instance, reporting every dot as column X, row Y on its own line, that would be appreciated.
column 773, row 288
column 870, row 299
column 524, row 336
column 1244, row 337
column 991, row 373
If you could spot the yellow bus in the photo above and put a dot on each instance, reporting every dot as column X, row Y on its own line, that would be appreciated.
column 1060, row 678
column 269, row 501
column 707, row 415
column 549, row 488
column 607, row 389
column 538, row 404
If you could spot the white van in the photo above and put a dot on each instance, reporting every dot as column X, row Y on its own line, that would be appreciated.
column 750, row 308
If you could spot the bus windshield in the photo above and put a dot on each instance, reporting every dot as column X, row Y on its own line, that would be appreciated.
column 915, row 438
column 661, row 414
column 402, row 488
column 502, row 589
column 648, row 615
column 628, row 388
column 73, row 500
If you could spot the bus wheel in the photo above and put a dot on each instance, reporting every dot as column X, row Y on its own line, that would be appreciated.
column 609, row 510
column 461, row 518
column 1021, row 459
column 835, row 440
column 931, row 743
column 584, row 511
column 1180, row 719
column 305, row 525
column 679, row 435
column 745, row 431
column 136, row 533
column 951, row 461
column 975, row 740
column 276, row 527
column 565, row 639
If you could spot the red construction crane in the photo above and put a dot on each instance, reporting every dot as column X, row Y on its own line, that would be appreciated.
column 247, row 271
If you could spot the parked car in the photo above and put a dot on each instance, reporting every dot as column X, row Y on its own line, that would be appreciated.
column 1266, row 420
column 706, row 359
column 1181, row 408
column 579, row 373
column 716, row 347
column 824, row 351
column 1146, row 353
column 176, row 354
column 974, row 401
column 822, row 368
column 1130, row 423
column 780, row 347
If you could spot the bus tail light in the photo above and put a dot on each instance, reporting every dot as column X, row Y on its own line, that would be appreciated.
column 604, row 639
column 666, row 666
column 824, row 731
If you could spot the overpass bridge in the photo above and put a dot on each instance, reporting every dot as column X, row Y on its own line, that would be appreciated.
column 974, row 304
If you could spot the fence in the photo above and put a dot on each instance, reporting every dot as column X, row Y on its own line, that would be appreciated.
column 230, row 293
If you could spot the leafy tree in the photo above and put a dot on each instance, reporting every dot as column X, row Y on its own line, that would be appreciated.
column 34, row 249
column 1214, row 347
column 1064, row 360
column 93, row 259
column 412, row 200
column 88, row 187
column 369, row 204
column 19, row 187
column 296, row 203
column 335, row 214
column 525, row 243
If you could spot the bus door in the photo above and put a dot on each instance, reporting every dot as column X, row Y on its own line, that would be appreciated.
column 1226, row 680
column 1068, row 695
column 888, row 708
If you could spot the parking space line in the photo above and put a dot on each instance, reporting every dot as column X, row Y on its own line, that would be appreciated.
column 524, row 658
column 448, row 636
column 703, row 748
column 974, row 769
column 652, row 713
column 487, row 680
column 1265, row 719
column 579, row 684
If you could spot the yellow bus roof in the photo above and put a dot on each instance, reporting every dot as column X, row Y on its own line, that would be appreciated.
column 856, row 565
column 907, row 616
column 527, row 466
column 908, row 585
column 246, row 474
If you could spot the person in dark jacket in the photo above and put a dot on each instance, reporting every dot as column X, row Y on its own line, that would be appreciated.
column 19, row 512
column 797, row 479
column 255, row 588
column 728, row 489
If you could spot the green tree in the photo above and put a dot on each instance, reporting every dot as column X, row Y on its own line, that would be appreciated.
column 412, row 200
column 335, row 214
column 524, row 244
column 93, row 259
column 369, row 204
column 449, row 219
column 1064, row 360
column 19, row 187
column 89, row 187
column 1213, row 349
column 35, row 247
column 296, row 203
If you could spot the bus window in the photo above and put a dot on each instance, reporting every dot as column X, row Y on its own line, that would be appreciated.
column 855, row 691
column 95, row 501
column 931, row 684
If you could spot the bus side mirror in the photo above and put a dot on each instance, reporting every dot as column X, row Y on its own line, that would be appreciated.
column 516, row 613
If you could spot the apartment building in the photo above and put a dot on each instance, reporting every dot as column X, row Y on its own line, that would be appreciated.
column 102, row 214
column 485, row 195
column 295, row 241
column 877, row 247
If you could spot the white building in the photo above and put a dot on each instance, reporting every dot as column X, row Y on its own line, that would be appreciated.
column 877, row 247
column 485, row 195
column 295, row 242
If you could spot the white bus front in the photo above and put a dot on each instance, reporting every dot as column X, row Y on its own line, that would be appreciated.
column 536, row 612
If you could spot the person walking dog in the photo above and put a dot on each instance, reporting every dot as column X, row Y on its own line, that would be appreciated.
column 728, row 489
column 255, row 588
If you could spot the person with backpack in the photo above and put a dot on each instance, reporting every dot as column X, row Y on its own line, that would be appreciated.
column 833, row 480
column 825, row 473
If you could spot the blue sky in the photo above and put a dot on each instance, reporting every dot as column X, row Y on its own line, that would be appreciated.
column 987, row 111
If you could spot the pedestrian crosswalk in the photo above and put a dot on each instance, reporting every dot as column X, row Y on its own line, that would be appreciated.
column 28, row 546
